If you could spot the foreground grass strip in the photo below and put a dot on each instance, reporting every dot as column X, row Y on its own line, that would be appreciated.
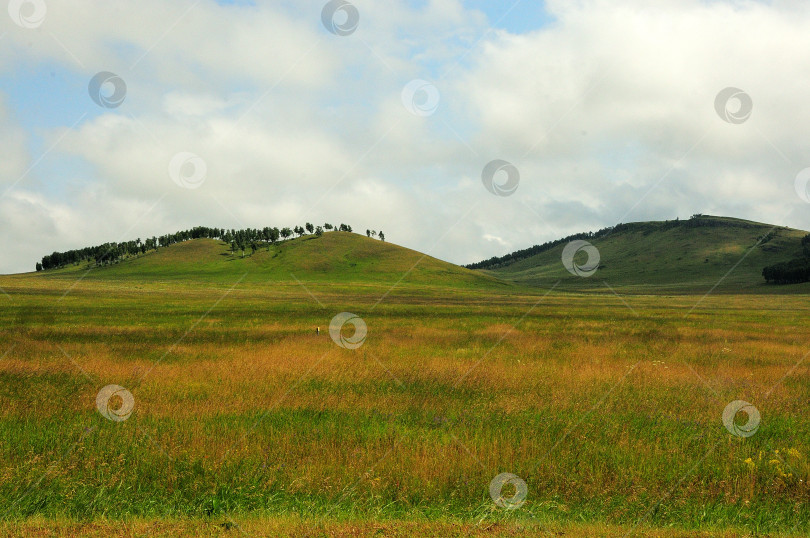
column 296, row 527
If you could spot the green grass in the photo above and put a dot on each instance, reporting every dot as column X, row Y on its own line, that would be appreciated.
column 608, row 407
column 673, row 260
column 335, row 257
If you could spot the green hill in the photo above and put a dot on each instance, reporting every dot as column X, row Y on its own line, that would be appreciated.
column 665, row 256
column 689, row 256
column 335, row 257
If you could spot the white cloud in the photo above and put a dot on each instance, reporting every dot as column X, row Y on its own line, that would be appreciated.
column 608, row 113
column 13, row 155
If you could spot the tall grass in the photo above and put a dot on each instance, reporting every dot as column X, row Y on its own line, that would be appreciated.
column 612, row 415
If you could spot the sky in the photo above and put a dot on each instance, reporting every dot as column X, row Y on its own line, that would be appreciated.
column 461, row 128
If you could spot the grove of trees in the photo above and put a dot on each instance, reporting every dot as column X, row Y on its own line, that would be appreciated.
column 793, row 271
column 238, row 240
column 373, row 233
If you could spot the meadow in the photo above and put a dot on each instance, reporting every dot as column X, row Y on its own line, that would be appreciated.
column 245, row 420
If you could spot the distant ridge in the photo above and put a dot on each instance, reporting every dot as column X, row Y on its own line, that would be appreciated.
column 660, row 256
column 696, row 221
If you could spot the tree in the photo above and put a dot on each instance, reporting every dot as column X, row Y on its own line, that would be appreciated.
column 39, row 266
column 318, row 231
column 790, row 272
column 382, row 236
column 310, row 228
column 253, row 247
column 806, row 245
column 299, row 231
column 267, row 236
column 373, row 233
column 286, row 232
column 328, row 226
column 368, row 232
column 793, row 271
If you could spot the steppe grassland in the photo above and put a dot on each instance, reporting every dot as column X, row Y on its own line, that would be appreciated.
column 611, row 412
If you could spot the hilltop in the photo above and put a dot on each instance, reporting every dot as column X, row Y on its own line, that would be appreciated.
column 661, row 256
column 337, row 257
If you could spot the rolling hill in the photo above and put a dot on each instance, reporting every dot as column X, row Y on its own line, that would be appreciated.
column 663, row 256
column 690, row 256
column 335, row 257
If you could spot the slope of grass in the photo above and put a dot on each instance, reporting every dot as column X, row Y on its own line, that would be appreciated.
column 674, row 259
column 655, row 258
column 336, row 257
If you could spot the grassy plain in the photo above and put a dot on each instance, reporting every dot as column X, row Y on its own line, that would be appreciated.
column 609, row 407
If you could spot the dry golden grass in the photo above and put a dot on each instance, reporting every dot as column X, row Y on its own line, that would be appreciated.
column 295, row 527
column 610, row 413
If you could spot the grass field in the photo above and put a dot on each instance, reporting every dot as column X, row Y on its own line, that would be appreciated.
column 608, row 407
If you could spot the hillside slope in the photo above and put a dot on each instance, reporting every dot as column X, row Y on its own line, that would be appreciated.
column 337, row 257
column 669, row 256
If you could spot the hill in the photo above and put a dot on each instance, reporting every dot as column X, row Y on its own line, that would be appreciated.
column 335, row 257
column 663, row 256
column 689, row 256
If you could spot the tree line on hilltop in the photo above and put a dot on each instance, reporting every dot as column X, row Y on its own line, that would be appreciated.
column 239, row 240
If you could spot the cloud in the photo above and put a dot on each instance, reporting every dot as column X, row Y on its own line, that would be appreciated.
column 607, row 112
column 611, row 108
column 14, row 159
